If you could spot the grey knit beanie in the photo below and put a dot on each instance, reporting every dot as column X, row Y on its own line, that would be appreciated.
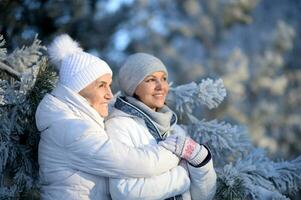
column 135, row 69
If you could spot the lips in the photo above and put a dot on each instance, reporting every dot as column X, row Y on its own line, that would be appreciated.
column 159, row 94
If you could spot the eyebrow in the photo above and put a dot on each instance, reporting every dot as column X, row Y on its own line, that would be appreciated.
column 152, row 76
column 102, row 82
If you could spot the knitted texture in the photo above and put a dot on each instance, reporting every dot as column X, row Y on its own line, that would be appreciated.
column 141, row 65
column 186, row 148
column 77, row 69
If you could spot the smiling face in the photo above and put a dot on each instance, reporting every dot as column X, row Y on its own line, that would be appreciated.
column 98, row 94
column 153, row 89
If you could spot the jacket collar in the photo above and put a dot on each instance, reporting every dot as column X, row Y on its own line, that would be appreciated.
column 132, row 110
column 74, row 99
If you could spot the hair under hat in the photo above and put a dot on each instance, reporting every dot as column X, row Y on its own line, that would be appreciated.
column 77, row 69
column 135, row 69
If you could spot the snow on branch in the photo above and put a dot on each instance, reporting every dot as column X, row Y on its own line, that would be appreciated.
column 22, row 63
column 9, row 94
column 226, row 141
column 287, row 177
column 181, row 97
column 3, row 51
column 26, row 57
column 18, row 102
column 8, row 192
column 10, row 70
column 211, row 93
column 257, row 177
column 185, row 98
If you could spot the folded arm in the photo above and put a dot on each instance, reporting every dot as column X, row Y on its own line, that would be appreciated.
column 203, row 181
column 169, row 184
column 93, row 151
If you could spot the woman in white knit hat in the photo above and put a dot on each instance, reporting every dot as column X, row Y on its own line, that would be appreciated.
column 140, row 118
column 76, row 156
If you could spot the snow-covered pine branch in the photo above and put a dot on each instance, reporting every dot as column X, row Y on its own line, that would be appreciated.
column 184, row 98
column 18, row 134
column 227, row 142
column 3, row 50
column 255, row 176
column 32, row 54
column 211, row 93
column 286, row 176
column 3, row 57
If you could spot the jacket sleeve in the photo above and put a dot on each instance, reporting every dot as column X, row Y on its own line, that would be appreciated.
column 171, row 183
column 91, row 150
column 203, row 179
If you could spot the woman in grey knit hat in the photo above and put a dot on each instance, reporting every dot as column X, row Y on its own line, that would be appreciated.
column 140, row 118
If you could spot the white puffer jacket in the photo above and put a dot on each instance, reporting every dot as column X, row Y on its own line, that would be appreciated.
column 132, row 131
column 76, row 154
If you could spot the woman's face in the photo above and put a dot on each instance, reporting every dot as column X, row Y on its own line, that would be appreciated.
column 153, row 89
column 99, row 93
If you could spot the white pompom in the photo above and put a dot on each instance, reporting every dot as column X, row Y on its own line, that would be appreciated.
column 61, row 47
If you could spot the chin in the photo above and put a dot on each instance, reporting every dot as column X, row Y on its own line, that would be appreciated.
column 159, row 106
column 103, row 114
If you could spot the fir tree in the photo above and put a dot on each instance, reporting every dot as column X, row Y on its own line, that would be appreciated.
column 24, row 79
column 244, row 172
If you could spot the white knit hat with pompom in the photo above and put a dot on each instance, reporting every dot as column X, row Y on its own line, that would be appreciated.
column 77, row 69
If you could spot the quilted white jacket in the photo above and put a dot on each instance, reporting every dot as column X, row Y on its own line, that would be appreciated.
column 76, row 154
column 132, row 131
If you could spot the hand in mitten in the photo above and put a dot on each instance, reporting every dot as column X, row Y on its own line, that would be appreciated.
column 186, row 148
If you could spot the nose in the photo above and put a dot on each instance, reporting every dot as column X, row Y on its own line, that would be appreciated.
column 109, row 94
column 158, row 85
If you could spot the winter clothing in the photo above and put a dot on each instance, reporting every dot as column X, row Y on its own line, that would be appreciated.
column 140, row 64
column 162, row 120
column 129, row 124
column 76, row 154
column 158, row 123
column 77, row 69
column 186, row 148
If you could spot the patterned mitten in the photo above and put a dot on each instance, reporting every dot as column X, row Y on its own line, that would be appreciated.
column 186, row 148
